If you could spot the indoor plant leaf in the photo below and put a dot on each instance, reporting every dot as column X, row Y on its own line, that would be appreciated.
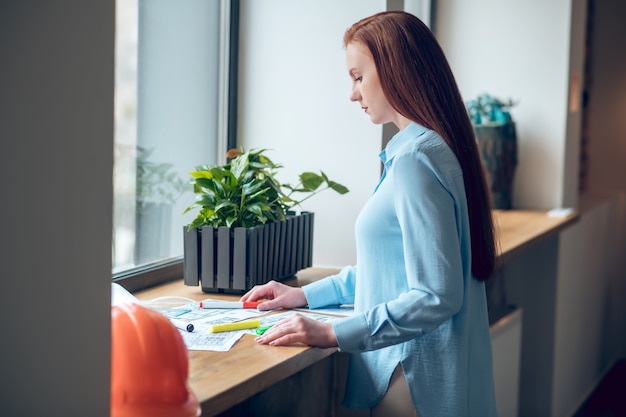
column 245, row 192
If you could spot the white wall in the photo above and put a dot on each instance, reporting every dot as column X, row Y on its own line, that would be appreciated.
column 56, row 162
column 293, row 99
column 311, row 125
column 518, row 50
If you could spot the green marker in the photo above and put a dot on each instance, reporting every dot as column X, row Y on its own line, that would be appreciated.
column 262, row 329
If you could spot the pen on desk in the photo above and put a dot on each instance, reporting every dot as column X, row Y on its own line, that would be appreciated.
column 179, row 324
column 229, row 304
column 239, row 325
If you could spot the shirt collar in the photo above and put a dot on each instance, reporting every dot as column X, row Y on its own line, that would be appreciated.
column 411, row 132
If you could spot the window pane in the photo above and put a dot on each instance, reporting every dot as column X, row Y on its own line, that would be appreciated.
column 166, row 121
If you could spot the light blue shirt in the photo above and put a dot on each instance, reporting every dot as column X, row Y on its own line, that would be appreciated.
column 415, row 300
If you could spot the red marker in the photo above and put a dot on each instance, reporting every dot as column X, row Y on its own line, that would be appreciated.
column 229, row 304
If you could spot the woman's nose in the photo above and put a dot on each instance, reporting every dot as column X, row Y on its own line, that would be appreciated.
column 354, row 95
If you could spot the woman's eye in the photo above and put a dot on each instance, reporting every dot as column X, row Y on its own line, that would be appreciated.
column 358, row 79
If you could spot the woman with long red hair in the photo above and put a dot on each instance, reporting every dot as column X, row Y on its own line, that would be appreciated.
column 419, row 337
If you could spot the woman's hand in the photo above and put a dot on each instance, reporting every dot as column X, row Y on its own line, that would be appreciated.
column 279, row 296
column 300, row 329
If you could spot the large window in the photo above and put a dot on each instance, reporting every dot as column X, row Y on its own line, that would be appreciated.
column 172, row 93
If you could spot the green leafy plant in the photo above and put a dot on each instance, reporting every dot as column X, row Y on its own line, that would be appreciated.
column 245, row 192
column 486, row 109
column 156, row 181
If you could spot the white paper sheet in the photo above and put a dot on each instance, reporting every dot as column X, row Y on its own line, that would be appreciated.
column 201, row 318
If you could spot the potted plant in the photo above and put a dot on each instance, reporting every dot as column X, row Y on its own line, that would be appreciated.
column 246, row 231
column 497, row 142
column 158, row 187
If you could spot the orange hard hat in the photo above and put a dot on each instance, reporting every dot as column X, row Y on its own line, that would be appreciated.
column 149, row 365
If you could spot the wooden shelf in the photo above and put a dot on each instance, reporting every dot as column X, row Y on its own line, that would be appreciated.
column 518, row 230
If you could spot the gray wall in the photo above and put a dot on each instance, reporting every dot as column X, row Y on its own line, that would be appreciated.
column 56, row 141
column 607, row 99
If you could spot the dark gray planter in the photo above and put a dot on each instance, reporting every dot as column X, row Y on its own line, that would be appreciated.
column 498, row 151
column 235, row 260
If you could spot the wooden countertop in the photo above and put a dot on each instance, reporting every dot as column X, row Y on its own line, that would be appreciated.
column 518, row 230
column 221, row 380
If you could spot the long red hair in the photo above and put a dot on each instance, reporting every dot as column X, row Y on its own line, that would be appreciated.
column 417, row 81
